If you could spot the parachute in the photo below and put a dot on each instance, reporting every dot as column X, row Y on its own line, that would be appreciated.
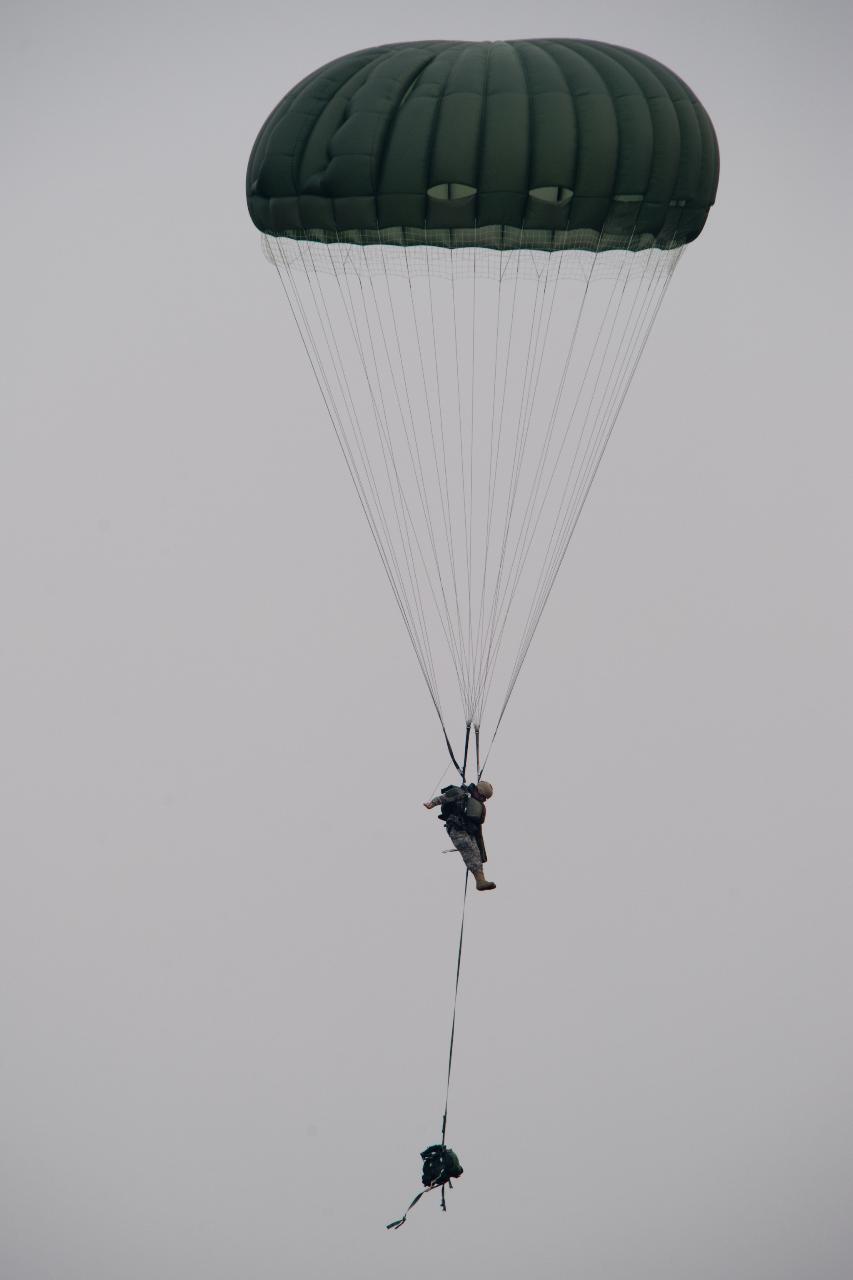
column 474, row 240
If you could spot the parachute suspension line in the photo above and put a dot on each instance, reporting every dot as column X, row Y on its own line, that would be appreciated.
column 389, row 462
column 578, row 485
column 375, row 519
column 409, row 425
column 443, row 489
column 451, row 539
column 414, row 458
column 462, row 660
column 434, row 790
column 520, row 440
column 395, row 487
column 495, row 632
column 446, row 620
column 472, row 449
column 369, row 488
column 528, row 531
column 533, row 364
column 466, row 529
column 530, row 525
column 603, row 427
column 607, row 428
column 525, row 543
column 493, row 471
column 471, row 490
column 533, row 337
column 304, row 329
column 407, row 592
column 409, row 612
column 492, row 459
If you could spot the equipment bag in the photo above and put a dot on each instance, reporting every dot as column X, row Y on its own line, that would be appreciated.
column 440, row 1165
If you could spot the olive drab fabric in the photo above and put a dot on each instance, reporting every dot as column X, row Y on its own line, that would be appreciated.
column 457, row 143
column 440, row 1165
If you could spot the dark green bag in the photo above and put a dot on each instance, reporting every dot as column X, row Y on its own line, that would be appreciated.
column 440, row 1165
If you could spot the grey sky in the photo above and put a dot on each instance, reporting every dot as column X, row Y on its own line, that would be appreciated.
column 226, row 926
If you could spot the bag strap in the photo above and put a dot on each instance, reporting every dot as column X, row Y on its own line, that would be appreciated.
column 392, row 1226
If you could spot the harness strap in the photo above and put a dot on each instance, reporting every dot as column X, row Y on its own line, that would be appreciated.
column 455, row 1000
column 460, row 771
column 392, row 1226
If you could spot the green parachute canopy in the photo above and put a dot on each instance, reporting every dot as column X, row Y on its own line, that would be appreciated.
column 474, row 241
column 492, row 143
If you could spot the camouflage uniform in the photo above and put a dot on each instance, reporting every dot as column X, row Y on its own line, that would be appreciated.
column 470, row 846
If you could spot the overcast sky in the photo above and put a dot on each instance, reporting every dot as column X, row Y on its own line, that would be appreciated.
column 227, row 929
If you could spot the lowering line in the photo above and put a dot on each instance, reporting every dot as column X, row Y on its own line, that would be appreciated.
column 453, row 1022
column 458, row 957
column 440, row 1163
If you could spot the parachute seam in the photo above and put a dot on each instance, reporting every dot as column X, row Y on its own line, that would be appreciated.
column 635, row 66
column 617, row 97
column 517, row 47
column 393, row 123
column 299, row 156
column 288, row 101
column 571, row 97
column 584, row 56
column 435, row 123
column 481, row 130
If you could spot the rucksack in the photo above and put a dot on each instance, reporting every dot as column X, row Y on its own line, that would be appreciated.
column 440, row 1165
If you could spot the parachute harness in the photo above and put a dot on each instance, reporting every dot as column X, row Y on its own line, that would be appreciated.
column 440, row 1165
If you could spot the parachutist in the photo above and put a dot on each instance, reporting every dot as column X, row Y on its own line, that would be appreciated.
column 463, row 812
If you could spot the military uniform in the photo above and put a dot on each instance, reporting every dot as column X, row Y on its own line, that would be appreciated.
column 466, row 836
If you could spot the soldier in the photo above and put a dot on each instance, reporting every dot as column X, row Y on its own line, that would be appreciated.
column 463, row 812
